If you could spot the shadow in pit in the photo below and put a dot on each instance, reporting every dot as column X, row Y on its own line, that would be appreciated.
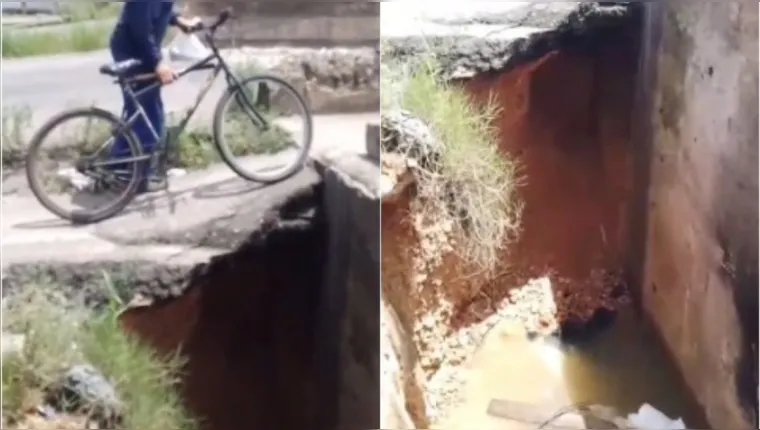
column 246, row 325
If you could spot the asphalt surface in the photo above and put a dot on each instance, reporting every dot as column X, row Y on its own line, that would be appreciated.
column 50, row 84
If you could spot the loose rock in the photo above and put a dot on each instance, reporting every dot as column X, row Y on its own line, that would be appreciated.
column 84, row 389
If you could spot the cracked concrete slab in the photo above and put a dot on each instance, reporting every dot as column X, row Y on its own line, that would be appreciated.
column 490, row 37
column 219, row 214
column 211, row 208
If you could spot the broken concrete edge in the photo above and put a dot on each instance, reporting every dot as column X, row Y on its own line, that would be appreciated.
column 465, row 55
column 85, row 283
column 159, row 267
column 229, row 229
column 359, row 171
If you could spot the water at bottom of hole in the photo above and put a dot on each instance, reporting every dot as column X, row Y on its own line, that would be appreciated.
column 623, row 367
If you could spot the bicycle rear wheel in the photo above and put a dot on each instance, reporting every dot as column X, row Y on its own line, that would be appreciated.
column 268, row 152
column 96, row 191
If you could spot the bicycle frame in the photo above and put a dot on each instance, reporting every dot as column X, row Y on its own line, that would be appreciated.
column 128, row 83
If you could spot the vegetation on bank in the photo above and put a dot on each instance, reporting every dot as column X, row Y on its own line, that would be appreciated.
column 59, row 334
column 469, row 179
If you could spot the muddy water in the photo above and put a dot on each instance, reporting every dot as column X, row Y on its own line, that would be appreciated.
column 623, row 367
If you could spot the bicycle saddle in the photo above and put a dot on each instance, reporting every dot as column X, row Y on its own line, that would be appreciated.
column 120, row 68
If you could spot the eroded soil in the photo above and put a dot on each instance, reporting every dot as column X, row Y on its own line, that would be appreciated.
column 565, row 118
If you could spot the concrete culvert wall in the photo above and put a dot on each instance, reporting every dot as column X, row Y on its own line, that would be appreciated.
column 279, row 332
column 575, row 100
column 699, row 282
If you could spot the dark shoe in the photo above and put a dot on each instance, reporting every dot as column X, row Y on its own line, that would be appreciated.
column 153, row 184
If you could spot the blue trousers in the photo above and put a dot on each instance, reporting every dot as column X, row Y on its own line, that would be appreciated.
column 153, row 105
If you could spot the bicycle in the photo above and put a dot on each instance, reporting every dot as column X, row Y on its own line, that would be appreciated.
column 110, row 175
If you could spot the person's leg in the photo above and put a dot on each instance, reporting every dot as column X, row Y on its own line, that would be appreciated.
column 154, row 110
column 120, row 148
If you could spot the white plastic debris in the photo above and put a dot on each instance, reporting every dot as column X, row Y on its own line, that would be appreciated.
column 187, row 47
column 176, row 172
column 75, row 179
column 649, row 418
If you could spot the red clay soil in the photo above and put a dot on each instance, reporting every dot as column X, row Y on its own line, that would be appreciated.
column 246, row 327
column 566, row 119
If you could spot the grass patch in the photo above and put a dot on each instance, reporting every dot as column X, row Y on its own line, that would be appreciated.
column 194, row 150
column 83, row 10
column 469, row 178
column 59, row 334
column 15, row 122
column 88, row 28
column 76, row 37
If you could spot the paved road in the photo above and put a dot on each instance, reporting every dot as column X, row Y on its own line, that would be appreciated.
column 49, row 84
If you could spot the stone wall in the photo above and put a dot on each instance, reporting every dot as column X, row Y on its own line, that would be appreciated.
column 700, row 283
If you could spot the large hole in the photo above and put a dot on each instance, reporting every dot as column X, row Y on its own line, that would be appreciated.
column 253, row 324
column 246, row 324
column 561, row 323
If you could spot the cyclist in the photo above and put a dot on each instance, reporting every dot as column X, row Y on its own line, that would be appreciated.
column 139, row 32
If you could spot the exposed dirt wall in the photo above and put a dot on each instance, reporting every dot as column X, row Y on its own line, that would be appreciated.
column 700, row 281
column 566, row 118
column 246, row 325
column 282, row 332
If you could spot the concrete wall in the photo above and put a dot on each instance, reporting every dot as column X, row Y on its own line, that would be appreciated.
column 304, row 23
column 351, row 295
column 700, row 278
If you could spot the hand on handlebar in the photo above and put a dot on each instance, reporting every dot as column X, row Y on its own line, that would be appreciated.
column 188, row 25
column 191, row 25
column 165, row 73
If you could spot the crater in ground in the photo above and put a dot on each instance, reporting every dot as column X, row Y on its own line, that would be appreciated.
column 566, row 320
column 268, row 328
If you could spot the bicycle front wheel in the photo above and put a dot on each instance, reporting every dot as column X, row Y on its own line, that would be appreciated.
column 263, row 129
column 85, row 188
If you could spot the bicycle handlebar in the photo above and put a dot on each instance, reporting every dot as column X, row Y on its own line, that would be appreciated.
column 224, row 15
